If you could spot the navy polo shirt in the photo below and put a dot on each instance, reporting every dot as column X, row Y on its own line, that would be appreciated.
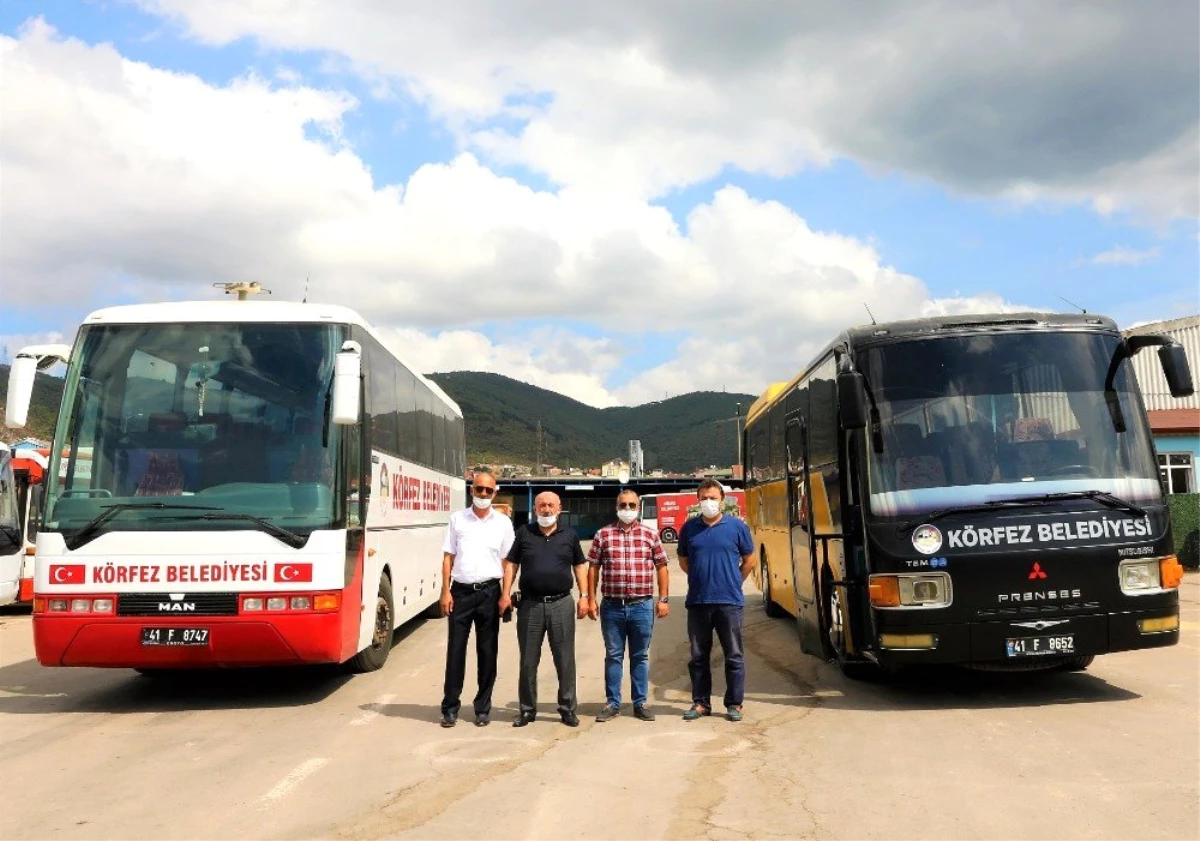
column 714, row 557
column 547, row 563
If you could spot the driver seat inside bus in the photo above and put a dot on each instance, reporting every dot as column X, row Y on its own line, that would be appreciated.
column 163, row 476
column 917, row 462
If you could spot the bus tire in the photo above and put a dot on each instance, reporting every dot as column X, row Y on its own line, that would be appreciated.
column 772, row 609
column 1077, row 663
column 668, row 536
column 373, row 657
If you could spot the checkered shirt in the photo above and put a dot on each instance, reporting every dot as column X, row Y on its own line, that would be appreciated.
column 627, row 559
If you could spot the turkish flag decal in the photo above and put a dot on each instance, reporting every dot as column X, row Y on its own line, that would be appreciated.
column 290, row 573
column 66, row 573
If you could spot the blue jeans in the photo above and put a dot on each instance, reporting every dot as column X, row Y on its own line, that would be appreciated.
column 632, row 623
column 726, row 620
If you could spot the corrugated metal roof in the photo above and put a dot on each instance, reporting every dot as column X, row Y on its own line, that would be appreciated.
column 1150, row 377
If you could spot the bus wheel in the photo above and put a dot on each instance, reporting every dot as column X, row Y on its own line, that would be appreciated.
column 668, row 536
column 375, row 655
column 769, row 606
column 1077, row 664
column 835, row 633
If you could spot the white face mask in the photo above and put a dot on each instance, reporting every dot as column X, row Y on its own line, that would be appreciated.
column 626, row 515
column 546, row 521
column 483, row 502
column 710, row 507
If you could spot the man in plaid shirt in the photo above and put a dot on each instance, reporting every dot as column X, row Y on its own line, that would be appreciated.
column 627, row 557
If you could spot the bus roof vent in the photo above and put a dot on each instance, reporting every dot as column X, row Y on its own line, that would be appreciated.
column 242, row 288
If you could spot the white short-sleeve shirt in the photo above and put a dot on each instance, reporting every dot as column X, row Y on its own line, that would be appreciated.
column 478, row 545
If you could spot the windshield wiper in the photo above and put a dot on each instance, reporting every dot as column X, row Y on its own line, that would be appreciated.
column 89, row 530
column 283, row 535
column 11, row 533
column 1103, row 497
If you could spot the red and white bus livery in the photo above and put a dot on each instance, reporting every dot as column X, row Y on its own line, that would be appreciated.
column 237, row 483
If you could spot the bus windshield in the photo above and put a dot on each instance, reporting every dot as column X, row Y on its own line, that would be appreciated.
column 228, row 419
column 968, row 420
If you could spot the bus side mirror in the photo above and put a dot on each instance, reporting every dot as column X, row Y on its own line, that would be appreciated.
column 24, row 370
column 347, row 375
column 1176, row 369
column 852, row 400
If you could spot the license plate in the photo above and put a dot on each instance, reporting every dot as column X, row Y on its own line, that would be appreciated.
column 1040, row 646
column 174, row 636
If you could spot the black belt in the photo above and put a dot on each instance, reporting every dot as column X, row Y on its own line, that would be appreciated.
column 478, row 585
column 627, row 600
column 544, row 599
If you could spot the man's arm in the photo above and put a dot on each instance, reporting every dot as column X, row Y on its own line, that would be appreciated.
column 447, row 600
column 661, row 608
column 510, row 574
column 747, row 565
column 594, row 588
column 581, row 579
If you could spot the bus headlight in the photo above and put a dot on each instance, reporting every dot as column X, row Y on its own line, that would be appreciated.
column 930, row 589
column 1139, row 576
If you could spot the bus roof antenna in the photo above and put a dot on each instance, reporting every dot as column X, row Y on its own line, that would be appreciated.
column 242, row 288
column 1076, row 306
column 873, row 321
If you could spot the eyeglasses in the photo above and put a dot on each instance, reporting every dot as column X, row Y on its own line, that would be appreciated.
column 632, row 506
column 478, row 491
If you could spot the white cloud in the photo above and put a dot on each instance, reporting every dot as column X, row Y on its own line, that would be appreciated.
column 122, row 180
column 1061, row 102
column 1123, row 256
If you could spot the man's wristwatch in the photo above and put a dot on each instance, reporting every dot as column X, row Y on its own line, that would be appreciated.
column 664, row 600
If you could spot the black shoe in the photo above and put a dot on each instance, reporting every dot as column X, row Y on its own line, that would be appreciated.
column 570, row 719
column 640, row 712
column 449, row 719
column 524, row 718
column 608, row 713
column 482, row 720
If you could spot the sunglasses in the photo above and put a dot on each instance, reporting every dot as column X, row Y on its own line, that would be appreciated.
column 631, row 506
column 478, row 491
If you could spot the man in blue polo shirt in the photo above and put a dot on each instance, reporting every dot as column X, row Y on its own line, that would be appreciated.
column 717, row 553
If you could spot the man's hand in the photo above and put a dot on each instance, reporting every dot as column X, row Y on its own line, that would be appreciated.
column 594, row 612
column 662, row 610
column 583, row 608
column 505, row 603
column 446, row 603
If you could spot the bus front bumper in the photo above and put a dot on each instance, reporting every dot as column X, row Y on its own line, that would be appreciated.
column 1025, row 639
column 116, row 642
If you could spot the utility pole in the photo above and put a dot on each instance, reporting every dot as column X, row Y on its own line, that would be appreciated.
column 538, row 450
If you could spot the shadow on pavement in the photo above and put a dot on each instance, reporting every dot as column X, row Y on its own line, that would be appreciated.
column 29, row 688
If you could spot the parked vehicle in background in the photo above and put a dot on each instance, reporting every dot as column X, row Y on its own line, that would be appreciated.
column 237, row 483
column 28, row 475
column 12, row 549
column 667, row 512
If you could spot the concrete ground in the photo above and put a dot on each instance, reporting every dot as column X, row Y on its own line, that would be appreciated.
column 313, row 753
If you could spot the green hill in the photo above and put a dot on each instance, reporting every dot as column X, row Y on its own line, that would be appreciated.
column 43, row 407
column 678, row 434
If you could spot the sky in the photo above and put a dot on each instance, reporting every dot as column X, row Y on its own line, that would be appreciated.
column 619, row 202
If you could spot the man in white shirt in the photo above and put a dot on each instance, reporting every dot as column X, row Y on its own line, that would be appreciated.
column 477, row 542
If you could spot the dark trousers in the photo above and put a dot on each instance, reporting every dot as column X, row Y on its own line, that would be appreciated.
column 726, row 620
column 536, row 621
column 478, row 608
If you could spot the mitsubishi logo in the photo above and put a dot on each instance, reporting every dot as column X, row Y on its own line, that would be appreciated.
column 1036, row 572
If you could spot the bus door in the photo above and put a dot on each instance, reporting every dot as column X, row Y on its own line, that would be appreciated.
column 799, row 504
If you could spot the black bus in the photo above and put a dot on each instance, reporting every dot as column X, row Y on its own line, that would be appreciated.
column 966, row 489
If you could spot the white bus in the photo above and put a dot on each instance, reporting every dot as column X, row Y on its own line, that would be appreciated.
column 12, row 547
column 237, row 483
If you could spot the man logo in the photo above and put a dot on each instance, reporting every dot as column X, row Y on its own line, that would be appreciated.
column 1037, row 572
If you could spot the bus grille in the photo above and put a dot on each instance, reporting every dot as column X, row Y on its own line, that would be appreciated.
column 162, row 604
